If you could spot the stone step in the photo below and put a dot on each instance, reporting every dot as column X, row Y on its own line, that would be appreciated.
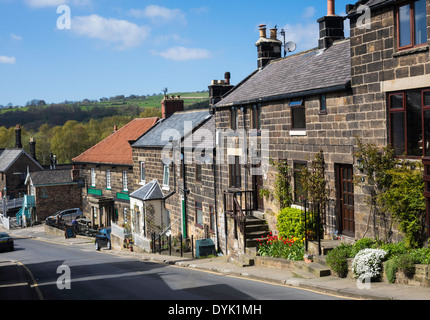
column 314, row 267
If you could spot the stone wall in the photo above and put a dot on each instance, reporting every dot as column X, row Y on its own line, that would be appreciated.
column 51, row 199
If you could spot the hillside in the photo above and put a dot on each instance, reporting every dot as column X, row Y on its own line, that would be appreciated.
column 32, row 117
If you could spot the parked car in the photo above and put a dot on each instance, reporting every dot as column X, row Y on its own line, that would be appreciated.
column 67, row 216
column 103, row 239
column 6, row 241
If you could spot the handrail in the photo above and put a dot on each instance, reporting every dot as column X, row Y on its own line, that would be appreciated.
column 166, row 229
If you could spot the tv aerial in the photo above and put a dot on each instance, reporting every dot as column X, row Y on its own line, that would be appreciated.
column 289, row 46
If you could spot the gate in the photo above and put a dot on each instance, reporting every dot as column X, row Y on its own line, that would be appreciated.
column 320, row 221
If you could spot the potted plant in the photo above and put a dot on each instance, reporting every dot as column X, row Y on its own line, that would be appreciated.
column 308, row 258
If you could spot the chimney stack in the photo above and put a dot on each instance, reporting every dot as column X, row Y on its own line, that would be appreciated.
column 170, row 105
column 331, row 27
column 74, row 174
column 32, row 144
column 268, row 48
column 219, row 88
column 18, row 143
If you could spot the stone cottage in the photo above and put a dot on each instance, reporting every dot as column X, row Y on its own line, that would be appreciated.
column 107, row 169
column 158, row 162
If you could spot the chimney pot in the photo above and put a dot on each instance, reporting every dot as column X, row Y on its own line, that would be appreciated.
column 262, row 30
column 330, row 7
column 274, row 33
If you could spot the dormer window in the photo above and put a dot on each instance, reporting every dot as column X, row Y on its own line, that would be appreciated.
column 411, row 24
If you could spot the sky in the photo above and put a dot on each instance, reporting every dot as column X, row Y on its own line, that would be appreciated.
column 57, row 50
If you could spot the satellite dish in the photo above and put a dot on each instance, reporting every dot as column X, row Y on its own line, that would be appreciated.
column 290, row 46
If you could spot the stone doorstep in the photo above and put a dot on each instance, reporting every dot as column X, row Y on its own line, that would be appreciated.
column 301, row 268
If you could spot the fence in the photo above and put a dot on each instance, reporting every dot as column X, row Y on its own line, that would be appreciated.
column 5, row 221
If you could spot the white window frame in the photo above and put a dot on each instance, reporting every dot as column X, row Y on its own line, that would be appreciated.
column 108, row 180
column 124, row 181
column 93, row 177
column 166, row 183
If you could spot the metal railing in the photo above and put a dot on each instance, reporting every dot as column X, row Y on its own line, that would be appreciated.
column 239, row 205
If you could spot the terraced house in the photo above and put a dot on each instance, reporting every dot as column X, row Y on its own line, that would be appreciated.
column 107, row 169
column 373, row 86
column 170, row 193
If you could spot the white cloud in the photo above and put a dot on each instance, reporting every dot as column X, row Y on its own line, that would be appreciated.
column 7, row 60
column 45, row 3
column 309, row 12
column 121, row 32
column 15, row 37
column 183, row 54
column 158, row 13
column 56, row 3
column 305, row 35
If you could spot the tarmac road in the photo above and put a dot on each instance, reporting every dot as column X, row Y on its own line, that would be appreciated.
column 104, row 276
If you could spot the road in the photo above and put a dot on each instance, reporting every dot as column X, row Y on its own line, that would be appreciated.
column 106, row 276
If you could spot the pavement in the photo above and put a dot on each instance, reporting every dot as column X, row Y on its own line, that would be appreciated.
column 344, row 287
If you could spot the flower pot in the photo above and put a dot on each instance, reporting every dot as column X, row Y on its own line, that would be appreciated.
column 131, row 248
column 308, row 260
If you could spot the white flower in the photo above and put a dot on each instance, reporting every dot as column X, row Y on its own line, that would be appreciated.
column 367, row 263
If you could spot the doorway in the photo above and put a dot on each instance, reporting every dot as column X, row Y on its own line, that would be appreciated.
column 345, row 193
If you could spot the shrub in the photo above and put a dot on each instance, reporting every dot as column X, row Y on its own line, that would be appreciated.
column 365, row 243
column 391, row 268
column 406, row 264
column 367, row 264
column 337, row 259
column 421, row 256
column 290, row 223
column 394, row 249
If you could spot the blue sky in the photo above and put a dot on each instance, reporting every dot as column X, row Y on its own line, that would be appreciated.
column 138, row 47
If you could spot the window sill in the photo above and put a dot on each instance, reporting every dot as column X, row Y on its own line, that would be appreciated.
column 297, row 132
column 166, row 188
column 142, row 183
column 405, row 52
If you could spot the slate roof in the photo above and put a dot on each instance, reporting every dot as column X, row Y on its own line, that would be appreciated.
column 150, row 191
column 295, row 76
column 9, row 156
column 205, row 136
column 116, row 149
column 51, row 177
column 177, row 126
column 371, row 4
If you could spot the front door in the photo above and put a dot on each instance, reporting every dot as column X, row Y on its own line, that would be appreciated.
column 257, row 180
column 345, row 189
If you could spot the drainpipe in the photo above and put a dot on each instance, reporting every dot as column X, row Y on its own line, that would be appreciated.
column 245, row 150
column 215, row 197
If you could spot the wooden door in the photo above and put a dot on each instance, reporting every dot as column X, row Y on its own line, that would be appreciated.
column 345, row 188
column 258, row 185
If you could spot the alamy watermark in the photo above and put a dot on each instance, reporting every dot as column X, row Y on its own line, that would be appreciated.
column 65, row 20
column 64, row 280
column 246, row 147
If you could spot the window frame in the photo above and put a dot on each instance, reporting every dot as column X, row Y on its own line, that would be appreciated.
column 93, row 177
column 108, row 179
column 166, row 183
column 142, row 165
column 234, row 118
column 235, row 177
column 294, row 106
column 323, row 103
column 255, row 119
column 198, row 172
column 412, row 25
column 200, row 208
column 125, row 181
column 404, row 111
